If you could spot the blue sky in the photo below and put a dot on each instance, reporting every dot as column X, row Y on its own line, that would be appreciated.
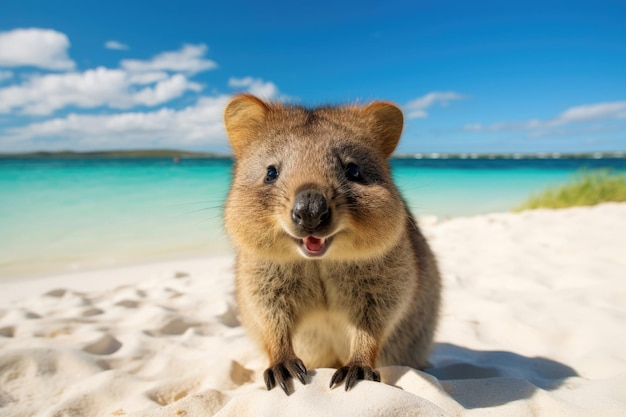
column 471, row 76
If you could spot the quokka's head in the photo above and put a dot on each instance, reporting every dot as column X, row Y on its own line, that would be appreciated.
column 313, row 183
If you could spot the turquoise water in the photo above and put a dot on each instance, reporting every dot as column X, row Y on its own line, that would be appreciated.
column 59, row 215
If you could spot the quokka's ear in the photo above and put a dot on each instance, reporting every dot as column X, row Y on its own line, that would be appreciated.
column 385, row 122
column 244, row 116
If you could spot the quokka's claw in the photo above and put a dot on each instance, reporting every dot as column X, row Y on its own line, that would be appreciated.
column 280, row 373
column 352, row 374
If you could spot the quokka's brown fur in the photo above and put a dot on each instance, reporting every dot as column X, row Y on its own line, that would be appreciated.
column 331, row 270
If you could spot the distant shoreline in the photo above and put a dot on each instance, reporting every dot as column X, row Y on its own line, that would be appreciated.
column 139, row 153
column 174, row 153
column 537, row 155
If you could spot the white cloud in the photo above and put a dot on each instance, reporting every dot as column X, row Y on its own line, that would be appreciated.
column 148, row 77
column 165, row 90
column 505, row 126
column 197, row 125
column 5, row 75
column 115, row 45
column 44, row 94
column 42, row 48
column 417, row 108
column 134, row 83
column 256, row 86
column 599, row 111
column 577, row 114
column 190, row 60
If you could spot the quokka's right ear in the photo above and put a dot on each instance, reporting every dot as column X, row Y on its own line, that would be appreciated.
column 244, row 116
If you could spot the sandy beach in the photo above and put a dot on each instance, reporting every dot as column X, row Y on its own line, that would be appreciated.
column 533, row 323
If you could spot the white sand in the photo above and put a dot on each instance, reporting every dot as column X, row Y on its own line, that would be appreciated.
column 534, row 323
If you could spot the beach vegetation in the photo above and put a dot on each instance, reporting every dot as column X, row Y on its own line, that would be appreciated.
column 586, row 188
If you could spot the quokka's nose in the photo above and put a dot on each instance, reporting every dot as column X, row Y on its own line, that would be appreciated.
column 310, row 210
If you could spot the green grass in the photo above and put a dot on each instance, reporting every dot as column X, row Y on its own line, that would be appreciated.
column 587, row 188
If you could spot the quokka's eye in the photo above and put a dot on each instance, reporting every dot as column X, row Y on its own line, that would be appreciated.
column 353, row 172
column 272, row 174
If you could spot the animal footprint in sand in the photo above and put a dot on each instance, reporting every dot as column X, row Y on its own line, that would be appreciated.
column 106, row 345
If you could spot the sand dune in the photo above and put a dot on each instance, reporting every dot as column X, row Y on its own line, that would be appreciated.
column 533, row 323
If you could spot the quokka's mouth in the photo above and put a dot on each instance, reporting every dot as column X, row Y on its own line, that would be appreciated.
column 314, row 247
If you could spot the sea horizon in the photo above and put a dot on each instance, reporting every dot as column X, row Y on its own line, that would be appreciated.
column 190, row 154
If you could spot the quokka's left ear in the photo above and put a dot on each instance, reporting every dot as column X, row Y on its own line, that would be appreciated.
column 385, row 122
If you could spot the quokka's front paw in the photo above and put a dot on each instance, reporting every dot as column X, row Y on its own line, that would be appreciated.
column 281, row 372
column 353, row 373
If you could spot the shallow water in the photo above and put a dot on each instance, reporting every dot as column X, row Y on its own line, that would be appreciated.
column 59, row 215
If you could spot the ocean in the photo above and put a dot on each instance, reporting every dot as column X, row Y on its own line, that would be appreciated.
column 60, row 215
